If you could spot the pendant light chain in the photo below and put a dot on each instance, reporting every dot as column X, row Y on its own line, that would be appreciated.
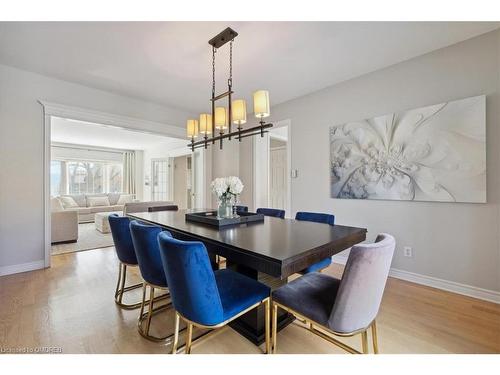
column 214, row 50
column 231, row 63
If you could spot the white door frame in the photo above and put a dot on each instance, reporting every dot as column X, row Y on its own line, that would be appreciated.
column 51, row 109
column 256, row 167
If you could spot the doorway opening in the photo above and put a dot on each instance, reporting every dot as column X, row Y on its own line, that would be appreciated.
column 93, row 169
column 272, row 168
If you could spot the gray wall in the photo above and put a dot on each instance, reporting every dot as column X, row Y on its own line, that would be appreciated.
column 21, row 150
column 456, row 242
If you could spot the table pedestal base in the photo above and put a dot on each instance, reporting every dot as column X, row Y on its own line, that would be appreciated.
column 252, row 324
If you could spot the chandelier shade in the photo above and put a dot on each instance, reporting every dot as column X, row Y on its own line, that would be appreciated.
column 239, row 112
column 205, row 123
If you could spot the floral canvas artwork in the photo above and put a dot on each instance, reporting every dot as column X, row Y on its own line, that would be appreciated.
column 433, row 153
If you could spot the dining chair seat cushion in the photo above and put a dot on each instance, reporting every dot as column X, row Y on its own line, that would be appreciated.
column 238, row 292
column 120, row 231
column 312, row 295
column 317, row 266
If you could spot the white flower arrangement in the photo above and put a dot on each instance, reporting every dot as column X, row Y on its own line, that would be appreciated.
column 226, row 188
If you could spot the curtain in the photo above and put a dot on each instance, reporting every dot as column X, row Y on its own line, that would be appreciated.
column 129, row 166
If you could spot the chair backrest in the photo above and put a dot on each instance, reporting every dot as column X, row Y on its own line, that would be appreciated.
column 120, row 230
column 362, row 285
column 132, row 207
column 315, row 217
column 191, row 280
column 170, row 207
column 241, row 208
column 273, row 212
column 145, row 241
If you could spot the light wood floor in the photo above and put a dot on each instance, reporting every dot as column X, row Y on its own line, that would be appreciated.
column 71, row 306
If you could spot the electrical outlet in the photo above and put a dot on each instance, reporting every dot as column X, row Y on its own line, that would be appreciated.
column 408, row 252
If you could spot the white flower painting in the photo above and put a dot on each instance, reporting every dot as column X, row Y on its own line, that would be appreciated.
column 434, row 153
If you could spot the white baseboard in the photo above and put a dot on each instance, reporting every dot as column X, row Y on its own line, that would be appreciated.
column 434, row 282
column 24, row 267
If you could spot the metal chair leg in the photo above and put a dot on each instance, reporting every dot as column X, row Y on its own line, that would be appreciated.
column 176, row 333
column 121, row 289
column 267, row 306
column 189, row 337
column 148, row 315
column 364, row 341
column 275, row 327
column 374, row 337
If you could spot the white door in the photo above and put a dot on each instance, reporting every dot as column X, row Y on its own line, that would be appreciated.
column 278, row 178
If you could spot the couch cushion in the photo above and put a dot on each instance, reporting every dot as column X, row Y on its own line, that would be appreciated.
column 84, row 210
column 113, row 198
column 78, row 198
column 68, row 202
column 125, row 198
column 97, row 209
column 97, row 201
column 116, row 207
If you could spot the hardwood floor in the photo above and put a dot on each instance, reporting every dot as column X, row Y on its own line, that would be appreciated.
column 70, row 306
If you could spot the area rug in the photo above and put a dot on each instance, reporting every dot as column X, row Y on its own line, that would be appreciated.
column 88, row 238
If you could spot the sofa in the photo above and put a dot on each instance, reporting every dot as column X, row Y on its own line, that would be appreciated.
column 64, row 223
column 87, row 205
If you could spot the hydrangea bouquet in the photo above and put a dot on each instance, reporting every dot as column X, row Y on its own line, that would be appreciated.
column 226, row 189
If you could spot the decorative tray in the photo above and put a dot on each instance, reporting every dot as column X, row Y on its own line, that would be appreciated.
column 210, row 218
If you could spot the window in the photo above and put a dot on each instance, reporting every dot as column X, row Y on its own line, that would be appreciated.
column 56, row 177
column 160, row 177
column 85, row 177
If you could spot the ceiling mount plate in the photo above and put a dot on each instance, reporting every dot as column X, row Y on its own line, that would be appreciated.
column 222, row 38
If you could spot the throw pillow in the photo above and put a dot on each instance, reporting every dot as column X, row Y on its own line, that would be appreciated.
column 98, row 201
column 56, row 205
column 125, row 198
column 68, row 202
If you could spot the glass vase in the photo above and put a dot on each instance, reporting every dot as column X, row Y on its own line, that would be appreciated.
column 225, row 209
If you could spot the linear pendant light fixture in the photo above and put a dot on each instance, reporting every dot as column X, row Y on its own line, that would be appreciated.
column 219, row 123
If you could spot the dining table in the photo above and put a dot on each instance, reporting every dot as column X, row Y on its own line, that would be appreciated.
column 269, row 251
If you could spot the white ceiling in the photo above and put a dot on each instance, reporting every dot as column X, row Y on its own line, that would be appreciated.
column 170, row 62
column 90, row 134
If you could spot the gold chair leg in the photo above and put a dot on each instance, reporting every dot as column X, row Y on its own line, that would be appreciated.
column 119, row 280
column 374, row 337
column 124, row 277
column 176, row 333
column 275, row 326
column 364, row 341
column 267, row 306
column 121, row 289
column 189, row 337
column 151, row 306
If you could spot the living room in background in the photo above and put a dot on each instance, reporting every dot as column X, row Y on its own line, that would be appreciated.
column 98, row 169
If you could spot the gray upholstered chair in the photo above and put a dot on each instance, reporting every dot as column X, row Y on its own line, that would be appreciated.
column 343, row 307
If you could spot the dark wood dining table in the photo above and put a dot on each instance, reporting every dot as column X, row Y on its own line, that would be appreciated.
column 268, row 251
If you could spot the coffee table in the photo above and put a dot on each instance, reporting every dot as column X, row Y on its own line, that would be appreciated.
column 102, row 222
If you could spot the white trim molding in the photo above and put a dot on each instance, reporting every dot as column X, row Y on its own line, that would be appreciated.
column 88, row 115
column 23, row 267
column 434, row 282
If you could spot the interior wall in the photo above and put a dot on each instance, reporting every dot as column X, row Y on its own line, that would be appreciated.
column 180, row 182
column 21, row 150
column 452, row 241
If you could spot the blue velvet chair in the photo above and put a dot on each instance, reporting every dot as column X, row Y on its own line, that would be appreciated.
column 316, row 218
column 145, row 240
column 343, row 307
column 273, row 212
column 204, row 298
column 240, row 208
column 124, row 247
